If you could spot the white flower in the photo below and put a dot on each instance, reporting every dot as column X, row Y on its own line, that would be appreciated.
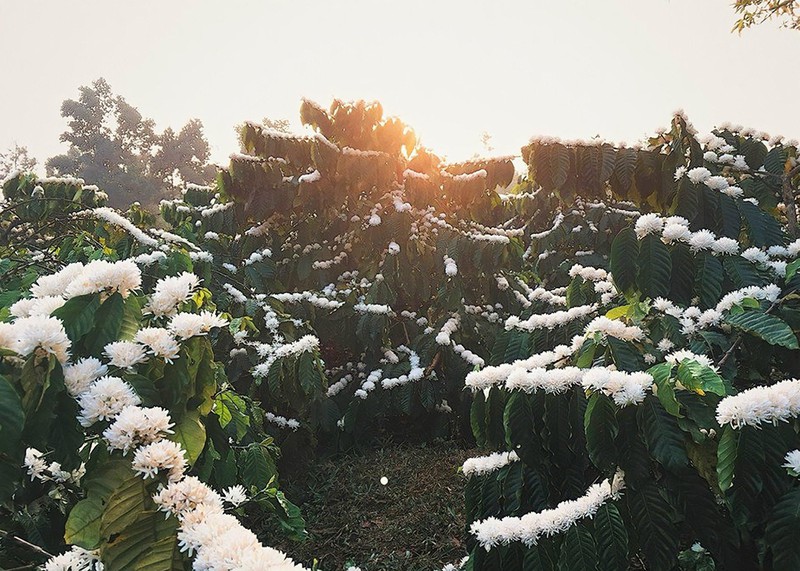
column 76, row 559
column 665, row 345
column 733, row 191
column 793, row 462
column 171, row 292
column 36, row 306
column 35, row 464
column 624, row 388
column 716, row 182
column 235, row 495
column 160, row 341
column 679, row 172
column 675, row 232
column 55, row 285
column 41, row 334
column 698, row 174
column 161, row 455
column 778, row 267
column 134, row 426
column 450, row 268
column 702, row 240
column 648, row 224
column 726, row 246
column 755, row 255
column 485, row 464
column 614, row 328
column 678, row 357
column 104, row 399
column 394, row 248
column 532, row 526
column 102, row 276
column 78, row 376
column 125, row 354
column 186, row 325
column 772, row 404
column 180, row 497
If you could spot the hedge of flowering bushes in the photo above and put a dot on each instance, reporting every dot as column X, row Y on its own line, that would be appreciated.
column 617, row 328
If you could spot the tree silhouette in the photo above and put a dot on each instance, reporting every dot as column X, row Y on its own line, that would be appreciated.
column 113, row 146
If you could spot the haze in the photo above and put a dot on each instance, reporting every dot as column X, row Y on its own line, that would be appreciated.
column 450, row 69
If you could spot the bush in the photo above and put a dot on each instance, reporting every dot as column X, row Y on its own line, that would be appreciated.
column 625, row 318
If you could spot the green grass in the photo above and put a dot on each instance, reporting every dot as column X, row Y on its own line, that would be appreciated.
column 415, row 522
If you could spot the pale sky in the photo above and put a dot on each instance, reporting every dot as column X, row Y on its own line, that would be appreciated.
column 450, row 69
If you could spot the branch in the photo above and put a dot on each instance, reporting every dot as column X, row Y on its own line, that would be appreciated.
column 24, row 543
column 789, row 201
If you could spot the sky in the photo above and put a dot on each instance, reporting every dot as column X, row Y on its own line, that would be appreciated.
column 450, row 69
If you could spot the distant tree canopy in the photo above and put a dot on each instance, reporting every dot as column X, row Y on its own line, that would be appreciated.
column 752, row 12
column 114, row 146
column 16, row 158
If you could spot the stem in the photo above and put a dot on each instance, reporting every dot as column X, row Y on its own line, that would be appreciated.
column 24, row 543
column 789, row 201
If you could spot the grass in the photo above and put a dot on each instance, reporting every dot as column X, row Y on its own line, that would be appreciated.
column 413, row 523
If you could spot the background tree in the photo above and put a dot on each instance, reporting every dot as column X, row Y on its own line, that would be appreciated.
column 113, row 146
column 16, row 158
column 759, row 11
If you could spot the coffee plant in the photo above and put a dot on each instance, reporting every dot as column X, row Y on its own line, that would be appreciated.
column 617, row 328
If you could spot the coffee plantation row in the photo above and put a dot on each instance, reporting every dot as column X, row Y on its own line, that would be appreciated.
column 617, row 329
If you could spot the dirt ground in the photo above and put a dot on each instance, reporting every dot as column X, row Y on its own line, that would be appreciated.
column 413, row 523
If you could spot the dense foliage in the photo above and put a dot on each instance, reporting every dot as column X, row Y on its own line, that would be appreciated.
column 112, row 145
column 623, row 319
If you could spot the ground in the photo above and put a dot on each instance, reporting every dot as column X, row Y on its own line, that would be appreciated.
column 413, row 523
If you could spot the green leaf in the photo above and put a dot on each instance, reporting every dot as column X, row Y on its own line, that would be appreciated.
column 12, row 418
column 782, row 533
column 519, row 427
column 578, row 552
column 477, row 413
column 231, row 408
column 148, row 544
column 612, row 539
column 131, row 319
column 624, row 253
column 600, row 425
column 726, row 457
column 308, row 373
column 700, row 378
column 124, row 506
column 682, row 279
column 741, row 272
column 708, row 279
column 626, row 357
column 662, row 375
column 771, row 329
column 655, row 267
column 257, row 467
column 791, row 269
column 78, row 315
column 107, row 323
column 291, row 519
column 83, row 524
column 190, row 433
column 651, row 518
column 663, row 436
column 764, row 229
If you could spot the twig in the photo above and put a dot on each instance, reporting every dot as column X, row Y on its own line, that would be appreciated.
column 434, row 363
column 788, row 200
column 27, row 544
